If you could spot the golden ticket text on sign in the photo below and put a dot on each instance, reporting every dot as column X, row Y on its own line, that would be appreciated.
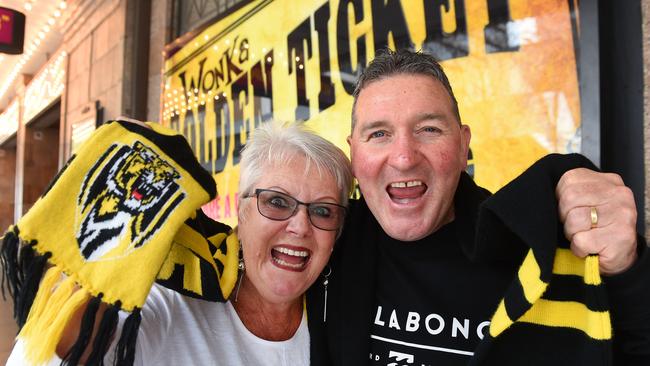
column 511, row 64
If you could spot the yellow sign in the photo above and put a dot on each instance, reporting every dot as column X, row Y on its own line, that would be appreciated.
column 511, row 64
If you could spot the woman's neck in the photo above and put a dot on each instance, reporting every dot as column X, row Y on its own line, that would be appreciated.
column 269, row 321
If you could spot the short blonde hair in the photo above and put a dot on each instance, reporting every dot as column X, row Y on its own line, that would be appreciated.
column 277, row 143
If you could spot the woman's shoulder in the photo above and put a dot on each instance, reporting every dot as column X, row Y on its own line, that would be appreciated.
column 174, row 309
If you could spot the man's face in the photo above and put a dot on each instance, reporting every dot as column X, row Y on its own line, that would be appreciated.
column 408, row 150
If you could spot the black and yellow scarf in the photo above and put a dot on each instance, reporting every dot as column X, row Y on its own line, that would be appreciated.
column 555, row 311
column 120, row 215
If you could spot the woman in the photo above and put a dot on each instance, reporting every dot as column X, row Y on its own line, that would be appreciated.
column 294, row 187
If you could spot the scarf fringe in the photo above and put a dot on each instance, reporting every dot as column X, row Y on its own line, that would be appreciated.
column 55, row 304
column 22, row 270
column 104, row 335
column 125, row 351
column 31, row 278
column 45, row 300
column 48, row 285
column 73, row 357
column 9, row 261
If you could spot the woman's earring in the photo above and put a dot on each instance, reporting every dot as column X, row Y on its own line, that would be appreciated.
column 325, row 283
column 242, row 268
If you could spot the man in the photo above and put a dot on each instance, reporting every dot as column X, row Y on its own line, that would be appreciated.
column 407, row 286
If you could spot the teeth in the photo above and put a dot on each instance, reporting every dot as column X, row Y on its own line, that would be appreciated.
column 411, row 183
column 283, row 263
column 295, row 253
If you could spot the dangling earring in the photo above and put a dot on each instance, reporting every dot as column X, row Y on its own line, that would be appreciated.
column 325, row 283
column 242, row 268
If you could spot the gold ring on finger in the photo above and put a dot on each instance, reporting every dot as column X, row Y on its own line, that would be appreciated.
column 594, row 217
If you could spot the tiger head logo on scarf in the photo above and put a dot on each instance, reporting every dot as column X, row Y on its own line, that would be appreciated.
column 124, row 198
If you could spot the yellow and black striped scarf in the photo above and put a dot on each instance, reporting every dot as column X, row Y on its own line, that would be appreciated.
column 556, row 310
column 119, row 216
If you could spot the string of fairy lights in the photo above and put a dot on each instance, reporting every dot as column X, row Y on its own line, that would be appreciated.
column 177, row 100
column 55, row 12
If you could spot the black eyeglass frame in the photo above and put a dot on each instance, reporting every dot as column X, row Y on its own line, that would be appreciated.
column 295, row 210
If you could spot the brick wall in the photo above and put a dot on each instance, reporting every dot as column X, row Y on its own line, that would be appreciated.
column 7, row 180
column 40, row 163
column 7, row 184
column 8, row 329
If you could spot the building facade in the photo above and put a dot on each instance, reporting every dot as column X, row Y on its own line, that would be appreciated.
column 531, row 76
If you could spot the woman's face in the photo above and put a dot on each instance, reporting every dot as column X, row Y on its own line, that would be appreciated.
column 284, row 258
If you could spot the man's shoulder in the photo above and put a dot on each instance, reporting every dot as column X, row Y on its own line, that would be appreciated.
column 360, row 228
column 359, row 217
column 356, row 204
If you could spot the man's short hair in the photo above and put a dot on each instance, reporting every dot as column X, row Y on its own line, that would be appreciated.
column 388, row 63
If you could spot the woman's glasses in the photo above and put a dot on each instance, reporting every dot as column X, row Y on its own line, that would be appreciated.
column 280, row 206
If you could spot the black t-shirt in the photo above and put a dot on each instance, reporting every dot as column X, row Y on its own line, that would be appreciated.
column 432, row 304
column 434, row 278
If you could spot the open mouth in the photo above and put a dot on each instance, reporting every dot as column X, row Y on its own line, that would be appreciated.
column 406, row 191
column 137, row 195
column 138, row 190
column 142, row 189
column 292, row 259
